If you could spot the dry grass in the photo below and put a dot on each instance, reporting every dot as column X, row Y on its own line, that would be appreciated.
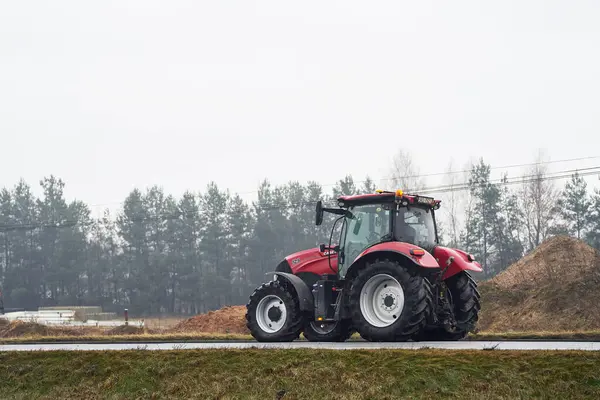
column 118, row 338
column 299, row 374
column 561, row 335
column 162, row 323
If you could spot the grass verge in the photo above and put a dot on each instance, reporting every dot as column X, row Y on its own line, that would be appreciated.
column 566, row 335
column 299, row 374
column 585, row 335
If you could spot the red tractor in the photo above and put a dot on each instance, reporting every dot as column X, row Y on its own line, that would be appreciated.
column 388, row 279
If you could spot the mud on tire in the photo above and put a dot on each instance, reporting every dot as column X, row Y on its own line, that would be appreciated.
column 280, row 301
column 415, row 311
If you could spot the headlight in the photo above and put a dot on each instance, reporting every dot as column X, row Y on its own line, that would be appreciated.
column 274, row 277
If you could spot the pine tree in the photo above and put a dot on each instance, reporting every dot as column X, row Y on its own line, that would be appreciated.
column 187, row 237
column 345, row 187
column 54, row 214
column 574, row 205
column 214, row 245
column 368, row 186
column 239, row 224
column 593, row 221
column 132, row 230
column 21, row 280
column 508, row 229
column 482, row 215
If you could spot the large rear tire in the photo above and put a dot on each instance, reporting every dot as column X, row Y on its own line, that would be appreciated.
column 338, row 331
column 273, row 313
column 388, row 303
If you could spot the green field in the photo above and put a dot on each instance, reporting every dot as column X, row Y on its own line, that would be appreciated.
column 300, row 374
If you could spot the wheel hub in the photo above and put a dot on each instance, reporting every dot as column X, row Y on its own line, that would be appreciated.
column 389, row 301
column 274, row 314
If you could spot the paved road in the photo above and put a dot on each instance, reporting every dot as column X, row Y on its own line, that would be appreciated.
column 466, row 345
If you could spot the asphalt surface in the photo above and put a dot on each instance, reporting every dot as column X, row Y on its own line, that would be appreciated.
column 464, row 345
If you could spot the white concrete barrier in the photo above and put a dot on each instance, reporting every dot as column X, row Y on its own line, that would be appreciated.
column 64, row 318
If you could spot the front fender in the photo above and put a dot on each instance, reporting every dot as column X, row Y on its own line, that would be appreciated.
column 460, row 261
column 305, row 296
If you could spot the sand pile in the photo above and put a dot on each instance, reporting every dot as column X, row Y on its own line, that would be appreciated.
column 226, row 320
column 554, row 288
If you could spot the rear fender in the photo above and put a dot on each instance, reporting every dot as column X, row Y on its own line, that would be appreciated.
column 423, row 265
column 305, row 296
column 424, row 261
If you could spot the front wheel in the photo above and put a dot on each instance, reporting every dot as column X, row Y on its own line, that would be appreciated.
column 338, row 331
column 273, row 313
column 465, row 304
column 388, row 303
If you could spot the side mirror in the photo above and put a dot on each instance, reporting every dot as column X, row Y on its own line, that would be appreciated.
column 319, row 213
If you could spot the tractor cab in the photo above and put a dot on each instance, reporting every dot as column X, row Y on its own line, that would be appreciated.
column 368, row 220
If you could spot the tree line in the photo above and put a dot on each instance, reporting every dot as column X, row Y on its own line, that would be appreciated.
column 162, row 254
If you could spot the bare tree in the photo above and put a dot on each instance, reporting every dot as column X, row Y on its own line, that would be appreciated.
column 405, row 173
column 538, row 197
column 454, row 200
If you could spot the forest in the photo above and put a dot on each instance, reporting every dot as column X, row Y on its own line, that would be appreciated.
column 161, row 254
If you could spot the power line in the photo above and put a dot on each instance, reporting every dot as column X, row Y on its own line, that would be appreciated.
column 389, row 178
column 495, row 168
column 464, row 186
column 517, row 180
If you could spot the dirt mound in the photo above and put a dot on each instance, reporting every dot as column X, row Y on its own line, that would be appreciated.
column 21, row 328
column 126, row 330
column 226, row 320
column 554, row 288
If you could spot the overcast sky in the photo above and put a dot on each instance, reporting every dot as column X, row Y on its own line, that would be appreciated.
column 122, row 94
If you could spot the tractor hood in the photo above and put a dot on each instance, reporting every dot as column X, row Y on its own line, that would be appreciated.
column 314, row 261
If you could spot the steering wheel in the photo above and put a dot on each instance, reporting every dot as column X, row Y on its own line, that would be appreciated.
column 373, row 238
column 352, row 251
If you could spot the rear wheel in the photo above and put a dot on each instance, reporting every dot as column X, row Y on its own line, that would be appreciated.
column 273, row 313
column 388, row 303
column 338, row 331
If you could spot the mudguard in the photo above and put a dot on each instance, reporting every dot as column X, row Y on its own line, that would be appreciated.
column 426, row 260
column 422, row 259
column 461, row 261
column 305, row 296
